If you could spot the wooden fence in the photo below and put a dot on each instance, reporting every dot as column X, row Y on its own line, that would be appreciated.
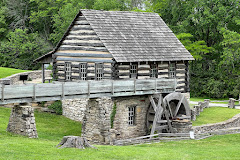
column 84, row 89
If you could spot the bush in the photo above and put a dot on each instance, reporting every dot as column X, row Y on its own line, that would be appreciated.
column 57, row 107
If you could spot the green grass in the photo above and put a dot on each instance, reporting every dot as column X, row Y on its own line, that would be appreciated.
column 5, row 72
column 200, row 99
column 51, row 129
column 214, row 115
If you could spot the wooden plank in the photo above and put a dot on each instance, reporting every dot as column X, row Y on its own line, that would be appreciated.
column 158, row 114
column 91, row 44
column 84, row 60
column 84, row 55
column 17, row 91
column 145, row 85
column 34, row 92
column 68, row 47
column 112, row 86
column 48, row 89
column 161, row 135
column 81, row 18
column 78, row 89
column 167, row 117
column 62, row 91
column 80, row 22
column 153, row 103
column 100, row 86
column 2, row 92
column 123, row 86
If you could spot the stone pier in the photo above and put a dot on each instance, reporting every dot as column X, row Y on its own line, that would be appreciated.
column 96, row 122
column 22, row 121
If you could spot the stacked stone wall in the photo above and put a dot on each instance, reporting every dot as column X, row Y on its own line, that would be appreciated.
column 122, row 129
column 74, row 108
column 233, row 122
column 96, row 122
column 22, row 121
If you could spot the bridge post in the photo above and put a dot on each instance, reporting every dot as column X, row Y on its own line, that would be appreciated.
column 22, row 121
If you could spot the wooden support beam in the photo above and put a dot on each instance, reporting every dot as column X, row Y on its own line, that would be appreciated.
column 63, row 95
column 43, row 73
column 34, row 92
column 153, row 103
column 84, row 60
column 158, row 113
column 67, row 47
column 3, row 86
column 112, row 87
column 84, row 55
column 135, row 86
column 187, row 79
column 88, row 88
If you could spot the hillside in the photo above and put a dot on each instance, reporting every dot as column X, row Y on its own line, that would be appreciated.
column 5, row 72
column 51, row 129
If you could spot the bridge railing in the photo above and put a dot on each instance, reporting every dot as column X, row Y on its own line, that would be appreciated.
column 84, row 89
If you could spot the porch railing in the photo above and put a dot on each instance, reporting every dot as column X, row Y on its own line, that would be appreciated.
column 84, row 89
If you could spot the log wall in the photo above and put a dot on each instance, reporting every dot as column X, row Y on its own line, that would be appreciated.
column 182, row 74
column 82, row 45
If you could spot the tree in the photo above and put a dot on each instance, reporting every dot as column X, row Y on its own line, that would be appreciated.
column 62, row 20
column 21, row 48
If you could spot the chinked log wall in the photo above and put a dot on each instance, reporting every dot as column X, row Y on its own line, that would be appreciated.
column 83, row 89
column 82, row 45
column 182, row 73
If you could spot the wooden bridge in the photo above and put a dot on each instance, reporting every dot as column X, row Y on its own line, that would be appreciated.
column 84, row 89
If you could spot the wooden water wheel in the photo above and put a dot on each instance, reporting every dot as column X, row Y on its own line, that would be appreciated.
column 162, row 111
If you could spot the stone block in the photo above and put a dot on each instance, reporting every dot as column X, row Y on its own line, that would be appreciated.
column 21, row 122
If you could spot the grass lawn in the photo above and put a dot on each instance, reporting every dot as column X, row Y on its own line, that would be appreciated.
column 214, row 115
column 5, row 72
column 51, row 129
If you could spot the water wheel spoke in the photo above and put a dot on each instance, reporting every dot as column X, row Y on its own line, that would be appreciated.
column 178, row 106
column 169, row 107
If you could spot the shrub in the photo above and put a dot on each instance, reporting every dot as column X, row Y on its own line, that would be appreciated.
column 57, row 107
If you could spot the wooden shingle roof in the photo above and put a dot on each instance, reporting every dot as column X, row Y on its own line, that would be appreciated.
column 136, row 36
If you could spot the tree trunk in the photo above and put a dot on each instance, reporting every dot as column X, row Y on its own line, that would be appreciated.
column 74, row 142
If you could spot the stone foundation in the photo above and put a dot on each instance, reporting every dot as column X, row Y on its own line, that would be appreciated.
column 96, row 122
column 122, row 129
column 74, row 108
column 182, row 126
column 233, row 122
column 22, row 121
column 97, row 118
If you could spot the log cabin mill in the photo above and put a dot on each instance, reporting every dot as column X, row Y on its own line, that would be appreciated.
column 119, row 45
